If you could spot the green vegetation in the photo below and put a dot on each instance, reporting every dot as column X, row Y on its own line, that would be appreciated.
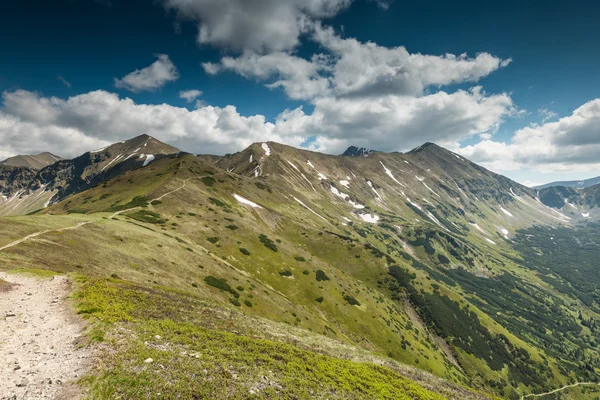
column 147, row 216
column 321, row 276
column 137, row 201
column 225, row 357
column 285, row 272
column 244, row 251
column 268, row 243
column 351, row 300
column 208, row 180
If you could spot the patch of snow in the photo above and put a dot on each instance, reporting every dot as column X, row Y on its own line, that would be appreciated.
column 347, row 219
column 406, row 162
column 309, row 209
column 344, row 196
column 373, row 189
column 504, row 233
column 98, row 150
column 321, row 176
column 345, row 183
column 293, row 166
column 148, row 160
column 428, row 202
column 112, row 161
column 411, row 202
column 246, row 201
column 257, row 171
column 479, row 228
column 370, row 218
column 585, row 215
column 142, row 155
column 490, row 241
column 266, row 148
column 434, row 219
column 358, row 206
column 336, row 192
column 422, row 180
column 506, row 212
column 389, row 173
column 251, row 157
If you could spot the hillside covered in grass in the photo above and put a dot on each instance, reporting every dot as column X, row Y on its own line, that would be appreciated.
column 291, row 274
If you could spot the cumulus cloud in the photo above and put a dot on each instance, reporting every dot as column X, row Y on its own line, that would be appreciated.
column 570, row 144
column 31, row 123
column 261, row 26
column 354, row 69
column 190, row 95
column 299, row 78
column 152, row 77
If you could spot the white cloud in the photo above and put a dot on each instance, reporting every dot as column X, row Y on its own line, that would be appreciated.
column 399, row 123
column 350, row 68
column 570, row 144
column 30, row 123
column 299, row 78
column 261, row 26
column 546, row 114
column 152, row 77
column 190, row 95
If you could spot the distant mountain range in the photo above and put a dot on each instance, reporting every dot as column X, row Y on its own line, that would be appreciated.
column 37, row 161
column 572, row 184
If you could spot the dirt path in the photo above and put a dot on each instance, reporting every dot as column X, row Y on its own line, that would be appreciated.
column 560, row 389
column 16, row 242
column 39, row 358
column 158, row 198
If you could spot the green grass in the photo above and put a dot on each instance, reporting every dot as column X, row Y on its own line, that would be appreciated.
column 147, row 216
column 191, row 360
column 34, row 272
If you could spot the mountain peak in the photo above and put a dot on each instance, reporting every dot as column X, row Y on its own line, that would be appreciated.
column 354, row 151
column 425, row 146
column 35, row 161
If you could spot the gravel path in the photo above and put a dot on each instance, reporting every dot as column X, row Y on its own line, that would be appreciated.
column 39, row 356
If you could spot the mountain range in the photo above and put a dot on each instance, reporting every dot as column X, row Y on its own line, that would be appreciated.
column 572, row 184
column 286, row 273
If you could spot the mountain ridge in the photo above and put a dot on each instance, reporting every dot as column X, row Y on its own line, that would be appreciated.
column 33, row 161
column 582, row 184
column 422, row 257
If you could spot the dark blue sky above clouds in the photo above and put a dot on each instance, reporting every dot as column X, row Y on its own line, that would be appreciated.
column 523, row 101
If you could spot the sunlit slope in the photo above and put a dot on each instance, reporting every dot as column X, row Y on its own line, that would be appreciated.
column 387, row 285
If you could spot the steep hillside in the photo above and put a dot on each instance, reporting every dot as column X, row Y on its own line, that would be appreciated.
column 37, row 161
column 579, row 204
column 303, row 264
column 65, row 177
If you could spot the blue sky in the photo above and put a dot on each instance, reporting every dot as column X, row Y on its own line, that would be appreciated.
column 552, row 47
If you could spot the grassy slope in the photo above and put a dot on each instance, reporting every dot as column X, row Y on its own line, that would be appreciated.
column 177, row 254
